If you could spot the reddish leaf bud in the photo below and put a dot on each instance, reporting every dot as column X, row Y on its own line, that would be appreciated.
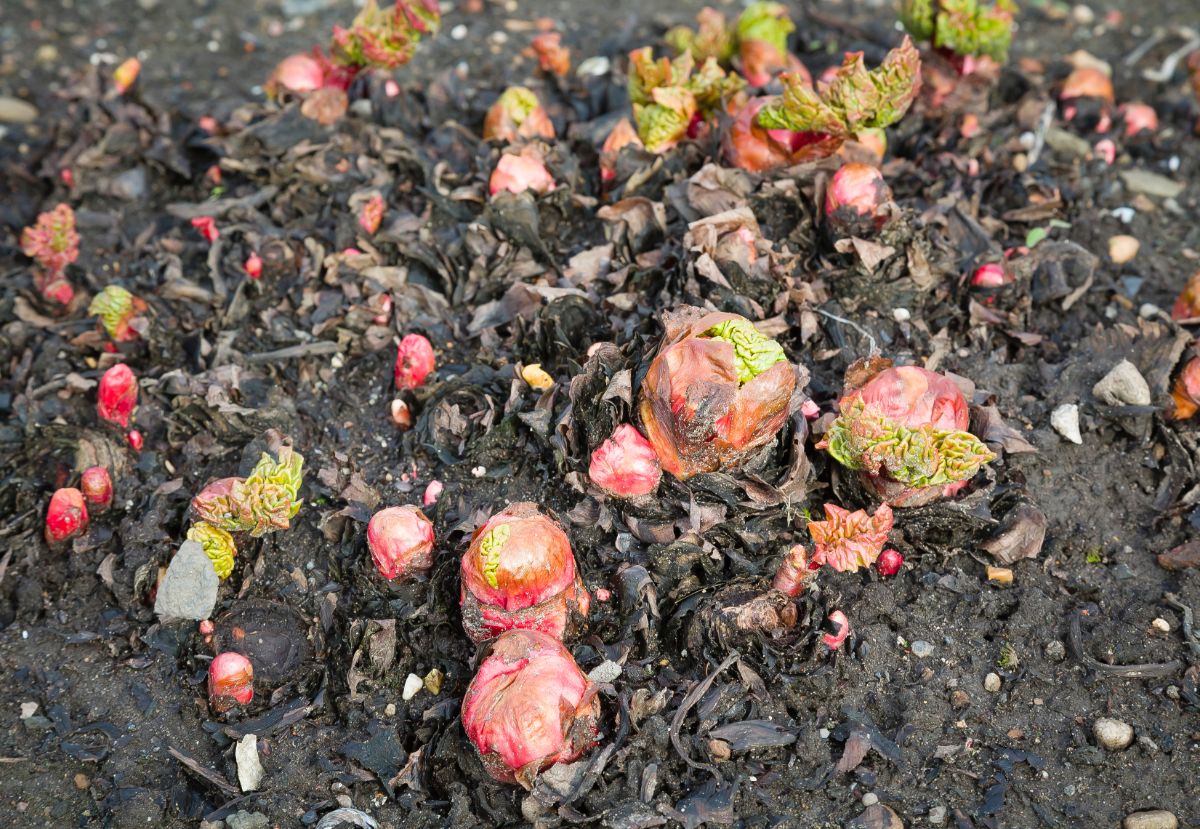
column 516, row 173
column 889, row 562
column 66, row 517
column 207, row 226
column 414, row 361
column 254, row 265
column 517, row 114
column 553, row 57
column 401, row 414
column 858, row 201
column 1087, row 82
column 848, row 540
column 135, row 440
column 118, row 395
column 230, row 681
column 623, row 135
column 370, row 215
column 52, row 241
column 126, row 75
column 97, row 487
column 529, row 707
column 432, row 493
column 794, row 573
column 1138, row 118
column 625, row 465
column 991, row 275
column 297, row 73
column 401, row 542
column 840, row 630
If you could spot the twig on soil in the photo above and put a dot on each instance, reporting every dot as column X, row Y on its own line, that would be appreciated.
column 211, row 776
column 1163, row 73
column 217, row 209
column 293, row 352
column 852, row 324
column 1146, row 671
column 1144, row 47
column 1189, row 634
column 693, row 696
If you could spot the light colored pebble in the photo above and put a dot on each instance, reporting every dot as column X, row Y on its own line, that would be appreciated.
column 1065, row 420
column 16, row 111
column 1083, row 15
column 1112, row 734
column 901, row 314
column 1152, row 819
column 1056, row 651
column 991, row 683
column 412, row 685
column 921, row 648
column 1122, row 248
column 1161, row 625
column 937, row 815
column 1123, row 386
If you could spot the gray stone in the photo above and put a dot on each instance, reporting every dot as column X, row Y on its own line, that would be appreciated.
column 1065, row 420
column 1111, row 734
column 1056, row 651
column 1123, row 386
column 189, row 589
column 921, row 648
column 16, row 111
column 249, row 767
column 1152, row 819
column 1067, row 143
column 247, row 820
column 606, row 671
column 937, row 815
column 1151, row 184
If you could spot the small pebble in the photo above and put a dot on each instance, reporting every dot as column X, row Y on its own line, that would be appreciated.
column 991, row 683
column 1083, row 15
column 389, row 710
column 412, row 685
column 999, row 575
column 1161, row 625
column 1056, row 651
column 937, row 815
column 870, row 799
column 1065, row 420
column 459, row 32
column 1122, row 249
column 901, row 314
column 960, row 699
column 1112, row 734
column 1153, row 819
column 16, row 111
column 921, row 648
column 1124, row 214
column 1123, row 386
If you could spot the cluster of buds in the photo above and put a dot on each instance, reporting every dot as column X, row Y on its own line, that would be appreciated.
column 118, row 395
column 625, row 465
column 66, row 517
column 762, row 35
column 119, row 312
column 230, row 681
column 517, row 115
column 97, row 487
column 529, row 707
column 712, row 38
column 850, row 101
column 263, row 502
column 858, row 202
column 53, row 243
column 517, row 172
column 847, row 541
column 401, row 543
column 716, row 391
column 904, row 430
column 414, row 362
column 671, row 99
column 553, row 57
column 519, row 572
column 965, row 30
column 218, row 546
column 385, row 38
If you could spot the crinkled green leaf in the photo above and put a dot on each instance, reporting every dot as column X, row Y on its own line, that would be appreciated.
column 753, row 351
column 917, row 18
column 711, row 38
column 768, row 22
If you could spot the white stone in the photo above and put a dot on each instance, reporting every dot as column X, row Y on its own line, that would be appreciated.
column 412, row 685
column 1112, row 734
column 1153, row 819
column 1123, row 386
column 991, row 683
column 250, row 770
column 1065, row 420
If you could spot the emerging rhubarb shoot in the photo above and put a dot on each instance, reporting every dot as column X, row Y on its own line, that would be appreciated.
column 716, row 392
column 66, row 517
column 889, row 562
column 852, row 101
column 218, row 546
column 265, row 501
column 529, row 707
column 385, row 38
column 519, row 572
column 762, row 35
column 625, row 465
column 96, row 485
column 414, row 362
column 848, row 540
column 711, row 38
column 230, row 681
column 964, row 28
column 516, row 115
column 518, row 172
column 553, row 57
column 52, row 241
column 401, row 543
column 858, row 201
column 118, row 395
column 794, row 573
column 119, row 312
column 669, row 98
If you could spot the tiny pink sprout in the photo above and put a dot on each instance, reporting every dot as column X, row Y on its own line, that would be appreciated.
column 889, row 562
column 857, row 199
column 118, row 395
column 1138, row 118
column 97, row 487
column 625, row 465
column 68, row 178
column 841, row 629
column 207, row 226
column 518, row 173
column 135, row 440
column 391, row 88
column 370, row 216
column 603, row 594
column 414, row 362
column 401, row 414
column 254, row 265
column 384, row 305
column 230, row 681
column 810, row 409
column 59, row 291
column 126, row 75
column 991, row 275
column 206, row 627
column 432, row 492
column 66, row 517
column 401, row 542
column 1106, row 150
column 209, row 124
column 297, row 73
column 351, row 252
column 213, row 174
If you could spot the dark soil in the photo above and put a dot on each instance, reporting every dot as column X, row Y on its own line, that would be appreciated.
column 120, row 698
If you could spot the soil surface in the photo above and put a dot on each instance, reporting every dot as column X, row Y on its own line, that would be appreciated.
column 104, row 713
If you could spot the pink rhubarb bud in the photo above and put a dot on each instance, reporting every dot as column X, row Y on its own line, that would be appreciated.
column 52, row 241
column 135, row 440
column 1185, row 394
column 118, row 395
column 97, row 487
column 625, row 465
column 207, row 226
column 858, row 201
column 904, row 429
column 517, row 114
column 1087, row 82
column 623, row 135
column 401, row 543
column 56, row 289
column 762, row 34
column 385, row 38
column 230, row 681
column 66, row 517
column 516, row 173
column 716, row 392
column 298, row 74
column 529, row 707
column 519, row 572
column 126, row 75
column 370, row 216
column 991, row 275
column 254, row 265
column 1107, row 150
column 840, row 626
column 848, row 540
column 553, row 57
column 414, row 362
column 265, row 501
column 401, row 415
column 749, row 146
column 432, row 493
column 794, row 573
column 889, row 562
column 1139, row 118
column 119, row 312
column 1187, row 304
